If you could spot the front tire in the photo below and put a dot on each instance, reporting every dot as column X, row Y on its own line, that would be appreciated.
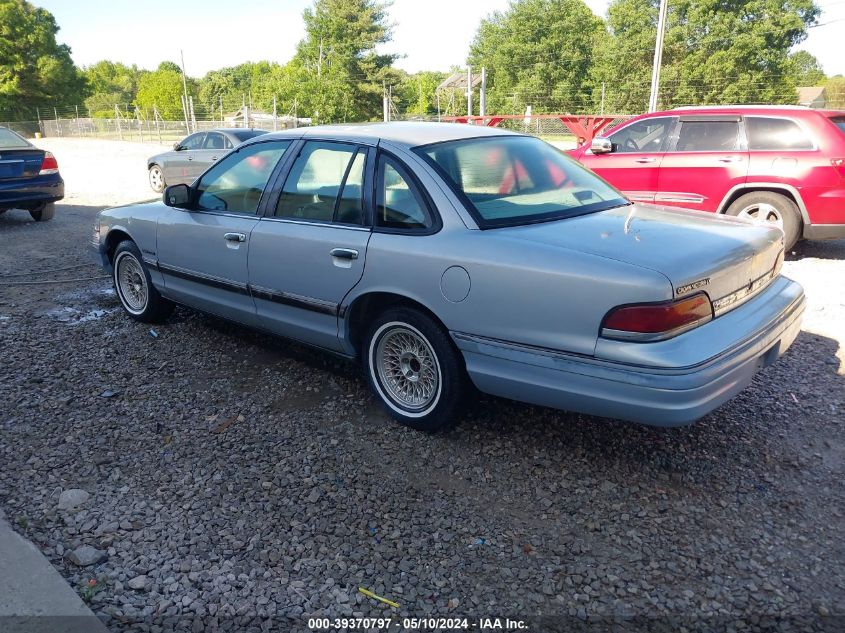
column 157, row 181
column 414, row 370
column 765, row 206
column 43, row 212
column 134, row 288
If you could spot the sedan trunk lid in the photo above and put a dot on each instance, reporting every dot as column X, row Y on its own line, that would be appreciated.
column 729, row 259
column 20, row 163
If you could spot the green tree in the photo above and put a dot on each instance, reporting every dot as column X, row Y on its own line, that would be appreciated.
column 336, row 73
column 34, row 69
column 162, row 89
column 834, row 89
column 418, row 93
column 715, row 51
column 110, row 83
column 807, row 69
column 538, row 52
column 171, row 66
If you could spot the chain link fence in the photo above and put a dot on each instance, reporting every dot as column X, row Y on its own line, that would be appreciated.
column 167, row 132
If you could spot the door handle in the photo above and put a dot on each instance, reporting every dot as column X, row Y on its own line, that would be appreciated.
column 344, row 253
column 213, row 158
column 730, row 159
column 644, row 160
column 190, row 158
column 234, row 237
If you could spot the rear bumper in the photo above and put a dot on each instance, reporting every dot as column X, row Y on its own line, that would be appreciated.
column 31, row 191
column 665, row 396
column 824, row 231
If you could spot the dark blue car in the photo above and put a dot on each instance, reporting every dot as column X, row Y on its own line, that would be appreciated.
column 29, row 177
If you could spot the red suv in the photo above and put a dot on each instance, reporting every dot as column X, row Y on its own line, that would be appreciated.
column 783, row 164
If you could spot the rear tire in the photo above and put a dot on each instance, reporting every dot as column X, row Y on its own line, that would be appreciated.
column 157, row 181
column 765, row 206
column 134, row 288
column 414, row 369
column 43, row 212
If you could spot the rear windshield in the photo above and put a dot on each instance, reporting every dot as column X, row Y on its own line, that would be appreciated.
column 839, row 121
column 9, row 139
column 510, row 180
column 245, row 135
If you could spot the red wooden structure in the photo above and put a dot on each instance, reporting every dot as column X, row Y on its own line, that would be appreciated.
column 584, row 127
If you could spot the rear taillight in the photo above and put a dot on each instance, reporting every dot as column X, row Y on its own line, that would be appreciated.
column 839, row 165
column 657, row 321
column 49, row 165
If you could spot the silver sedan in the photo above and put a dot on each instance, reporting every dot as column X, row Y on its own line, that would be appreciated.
column 193, row 155
column 445, row 256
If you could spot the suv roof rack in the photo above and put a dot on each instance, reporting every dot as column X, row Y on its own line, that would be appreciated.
column 738, row 105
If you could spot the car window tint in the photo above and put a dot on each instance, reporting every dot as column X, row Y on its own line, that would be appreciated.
column 708, row 136
column 227, row 144
column 350, row 207
column 766, row 133
column 194, row 141
column 236, row 183
column 312, row 187
column 647, row 135
column 838, row 121
column 398, row 204
column 214, row 140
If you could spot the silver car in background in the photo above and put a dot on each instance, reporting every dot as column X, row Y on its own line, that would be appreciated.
column 443, row 256
column 191, row 156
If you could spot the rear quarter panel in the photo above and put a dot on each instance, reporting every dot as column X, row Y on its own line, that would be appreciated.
column 531, row 294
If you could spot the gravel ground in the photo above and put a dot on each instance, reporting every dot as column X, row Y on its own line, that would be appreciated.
column 236, row 481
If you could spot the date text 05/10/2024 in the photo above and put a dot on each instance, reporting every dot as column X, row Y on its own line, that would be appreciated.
column 420, row 624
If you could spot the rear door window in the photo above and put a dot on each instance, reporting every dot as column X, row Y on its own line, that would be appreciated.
column 767, row 133
column 313, row 186
column 708, row 136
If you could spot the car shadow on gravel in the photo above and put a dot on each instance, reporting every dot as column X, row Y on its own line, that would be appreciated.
column 752, row 424
column 820, row 249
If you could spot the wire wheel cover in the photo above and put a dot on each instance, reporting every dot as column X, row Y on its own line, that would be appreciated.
column 131, row 283
column 407, row 368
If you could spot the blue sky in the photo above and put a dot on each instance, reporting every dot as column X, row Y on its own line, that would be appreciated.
column 433, row 34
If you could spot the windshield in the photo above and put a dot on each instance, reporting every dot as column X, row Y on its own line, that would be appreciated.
column 245, row 135
column 510, row 180
column 839, row 121
column 10, row 139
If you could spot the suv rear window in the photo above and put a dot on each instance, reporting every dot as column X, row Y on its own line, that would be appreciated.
column 765, row 133
column 839, row 121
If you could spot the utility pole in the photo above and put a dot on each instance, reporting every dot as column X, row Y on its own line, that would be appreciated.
column 117, row 118
column 421, row 96
column 385, row 109
column 274, row 113
column 437, row 94
column 658, row 57
column 193, row 116
column 185, row 89
column 469, row 90
column 185, row 112
column 482, row 99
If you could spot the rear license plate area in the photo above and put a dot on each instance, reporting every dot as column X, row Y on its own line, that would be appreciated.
column 11, row 168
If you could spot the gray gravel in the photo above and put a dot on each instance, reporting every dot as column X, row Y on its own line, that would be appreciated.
column 235, row 478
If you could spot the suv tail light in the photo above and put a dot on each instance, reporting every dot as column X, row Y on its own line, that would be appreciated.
column 646, row 322
column 839, row 164
column 49, row 165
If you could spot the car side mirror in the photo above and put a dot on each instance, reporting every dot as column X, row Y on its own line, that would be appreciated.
column 178, row 196
column 177, row 146
column 601, row 145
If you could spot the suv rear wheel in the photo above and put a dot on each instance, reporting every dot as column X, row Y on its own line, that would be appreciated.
column 765, row 206
column 43, row 212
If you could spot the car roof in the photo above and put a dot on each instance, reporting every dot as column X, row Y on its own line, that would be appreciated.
column 407, row 133
column 751, row 109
